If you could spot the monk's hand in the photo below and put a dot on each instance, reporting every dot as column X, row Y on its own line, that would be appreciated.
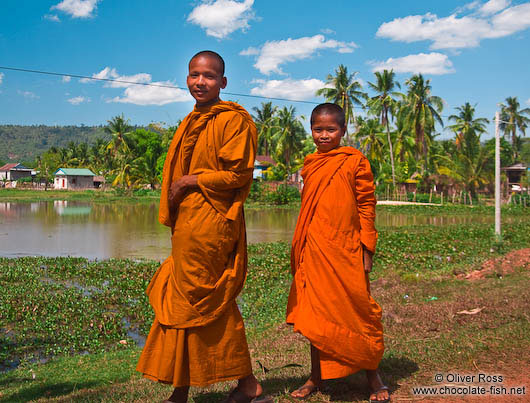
column 367, row 260
column 178, row 189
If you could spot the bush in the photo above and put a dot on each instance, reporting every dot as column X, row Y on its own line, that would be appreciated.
column 257, row 191
column 284, row 194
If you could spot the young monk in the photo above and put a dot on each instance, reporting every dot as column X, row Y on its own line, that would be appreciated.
column 333, row 245
column 198, row 337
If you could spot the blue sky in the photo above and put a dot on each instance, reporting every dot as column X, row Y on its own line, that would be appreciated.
column 476, row 51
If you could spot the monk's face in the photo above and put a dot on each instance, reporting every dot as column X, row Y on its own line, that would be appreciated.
column 326, row 132
column 205, row 79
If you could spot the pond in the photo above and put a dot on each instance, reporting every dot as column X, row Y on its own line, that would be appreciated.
column 123, row 230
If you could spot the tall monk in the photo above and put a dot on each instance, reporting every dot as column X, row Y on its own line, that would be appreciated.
column 198, row 337
column 333, row 245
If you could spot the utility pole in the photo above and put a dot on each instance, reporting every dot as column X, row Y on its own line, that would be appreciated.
column 498, row 235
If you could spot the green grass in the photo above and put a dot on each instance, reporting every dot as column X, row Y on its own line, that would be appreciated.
column 28, row 195
column 61, row 308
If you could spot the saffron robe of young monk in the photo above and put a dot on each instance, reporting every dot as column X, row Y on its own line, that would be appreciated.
column 330, row 302
column 198, row 337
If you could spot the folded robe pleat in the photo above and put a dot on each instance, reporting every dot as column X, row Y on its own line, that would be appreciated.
column 198, row 335
column 330, row 301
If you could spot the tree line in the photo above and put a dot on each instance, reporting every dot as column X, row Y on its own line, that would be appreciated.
column 397, row 131
column 396, row 126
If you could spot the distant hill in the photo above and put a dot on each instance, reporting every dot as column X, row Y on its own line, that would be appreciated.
column 24, row 143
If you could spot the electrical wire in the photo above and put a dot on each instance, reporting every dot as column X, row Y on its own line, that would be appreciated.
column 51, row 73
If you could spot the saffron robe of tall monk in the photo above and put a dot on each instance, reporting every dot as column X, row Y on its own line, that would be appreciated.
column 198, row 336
column 330, row 302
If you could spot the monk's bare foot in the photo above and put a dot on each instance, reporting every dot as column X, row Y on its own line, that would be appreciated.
column 380, row 392
column 179, row 395
column 248, row 391
column 250, row 386
column 306, row 390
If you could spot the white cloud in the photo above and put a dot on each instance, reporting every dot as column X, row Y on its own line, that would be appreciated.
column 66, row 79
column 467, row 7
column 511, row 20
column 77, row 8
column 327, row 31
column 493, row 6
column 288, row 88
column 111, row 74
column 28, row 94
column 431, row 63
column 139, row 94
column 274, row 53
column 455, row 32
column 2, row 75
column 52, row 17
column 78, row 100
column 528, row 101
column 250, row 52
column 222, row 17
column 149, row 95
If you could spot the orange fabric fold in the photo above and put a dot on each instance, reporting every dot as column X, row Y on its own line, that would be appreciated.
column 330, row 302
column 194, row 290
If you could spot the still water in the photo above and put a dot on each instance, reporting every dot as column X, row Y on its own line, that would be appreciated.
column 119, row 230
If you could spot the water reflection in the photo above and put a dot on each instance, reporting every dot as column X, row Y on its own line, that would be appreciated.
column 105, row 230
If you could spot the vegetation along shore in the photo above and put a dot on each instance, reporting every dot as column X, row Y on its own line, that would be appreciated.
column 71, row 328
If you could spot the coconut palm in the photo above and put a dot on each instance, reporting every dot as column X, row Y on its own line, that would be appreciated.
column 264, row 119
column 383, row 104
column 422, row 112
column 404, row 140
column 289, row 134
column 118, row 127
column 467, row 161
column 466, row 128
column 344, row 90
column 371, row 138
column 513, row 119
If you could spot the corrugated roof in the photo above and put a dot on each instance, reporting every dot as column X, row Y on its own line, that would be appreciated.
column 75, row 172
column 15, row 166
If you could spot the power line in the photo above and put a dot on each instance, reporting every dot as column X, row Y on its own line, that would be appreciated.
column 51, row 73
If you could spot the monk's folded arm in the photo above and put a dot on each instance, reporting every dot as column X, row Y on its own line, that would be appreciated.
column 237, row 156
column 222, row 180
column 365, row 193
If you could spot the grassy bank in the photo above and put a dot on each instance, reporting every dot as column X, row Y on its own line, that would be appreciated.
column 28, row 195
column 82, row 316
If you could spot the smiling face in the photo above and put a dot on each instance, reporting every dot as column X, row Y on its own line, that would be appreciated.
column 326, row 131
column 205, row 79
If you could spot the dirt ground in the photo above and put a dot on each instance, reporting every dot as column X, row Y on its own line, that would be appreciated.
column 501, row 266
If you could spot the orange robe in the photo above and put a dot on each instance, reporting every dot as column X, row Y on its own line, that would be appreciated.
column 198, row 336
column 330, row 302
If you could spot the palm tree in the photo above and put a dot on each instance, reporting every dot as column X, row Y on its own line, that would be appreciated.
column 422, row 112
column 288, row 137
column 264, row 120
column 468, row 165
column 404, row 139
column 118, row 127
column 344, row 90
column 512, row 118
column 383, row 103
column 371, row 139
column 466, row 128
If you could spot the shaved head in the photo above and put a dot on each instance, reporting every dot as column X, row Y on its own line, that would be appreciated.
column 213, row 55
column 329, row 109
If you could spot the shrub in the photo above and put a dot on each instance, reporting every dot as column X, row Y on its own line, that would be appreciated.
column 284, row 194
